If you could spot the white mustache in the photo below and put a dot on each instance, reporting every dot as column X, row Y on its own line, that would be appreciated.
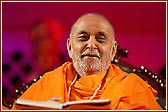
column 91, row 53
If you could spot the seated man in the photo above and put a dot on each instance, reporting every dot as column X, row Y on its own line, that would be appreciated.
column 91, row 75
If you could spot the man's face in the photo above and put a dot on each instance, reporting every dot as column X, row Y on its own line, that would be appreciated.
column 91, row 45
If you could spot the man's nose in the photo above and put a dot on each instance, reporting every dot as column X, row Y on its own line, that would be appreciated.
column 92, row 43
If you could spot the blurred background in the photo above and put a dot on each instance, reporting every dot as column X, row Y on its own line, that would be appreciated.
column 34, row 36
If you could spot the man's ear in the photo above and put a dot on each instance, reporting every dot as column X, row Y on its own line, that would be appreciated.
column 114, row 50
column 69, row 47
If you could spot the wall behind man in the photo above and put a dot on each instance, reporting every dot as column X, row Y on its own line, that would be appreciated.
column 139, row 26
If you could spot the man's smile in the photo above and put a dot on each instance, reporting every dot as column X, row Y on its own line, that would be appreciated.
column 90, row 56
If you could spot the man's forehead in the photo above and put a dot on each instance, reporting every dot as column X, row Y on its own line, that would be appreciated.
column 90, row 21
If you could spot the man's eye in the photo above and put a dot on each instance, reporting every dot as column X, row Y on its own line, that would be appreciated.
column 83, row 37
column 101, row 39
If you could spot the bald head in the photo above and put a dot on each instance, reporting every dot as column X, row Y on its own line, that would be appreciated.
column 95, row 17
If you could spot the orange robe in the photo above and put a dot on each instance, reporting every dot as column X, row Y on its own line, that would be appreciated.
column 122, row 88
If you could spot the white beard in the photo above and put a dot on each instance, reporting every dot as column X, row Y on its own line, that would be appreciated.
column 91, row 66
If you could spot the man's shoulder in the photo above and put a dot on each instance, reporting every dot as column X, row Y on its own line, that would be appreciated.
column 131, row 79
column 54, row 76
column 60, row 70
column 136, row 83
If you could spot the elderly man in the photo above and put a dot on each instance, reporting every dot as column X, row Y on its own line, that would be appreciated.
column 91, row 75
